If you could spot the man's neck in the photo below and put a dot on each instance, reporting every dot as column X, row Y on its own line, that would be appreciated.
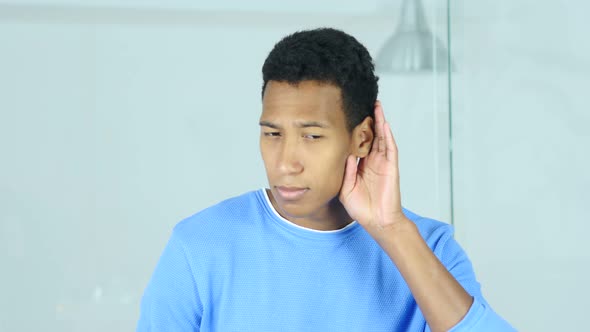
column 333, row 217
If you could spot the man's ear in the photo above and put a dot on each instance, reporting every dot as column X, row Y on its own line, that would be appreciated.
column 362, row 138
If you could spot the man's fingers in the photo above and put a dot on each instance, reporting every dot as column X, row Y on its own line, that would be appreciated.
column 379, row 134
column 391, row 146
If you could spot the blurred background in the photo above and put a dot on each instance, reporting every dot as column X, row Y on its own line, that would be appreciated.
column 120, row 118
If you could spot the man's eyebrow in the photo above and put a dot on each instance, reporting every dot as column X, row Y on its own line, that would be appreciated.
column 307, row 124
column 269, row 124
column 300, row 124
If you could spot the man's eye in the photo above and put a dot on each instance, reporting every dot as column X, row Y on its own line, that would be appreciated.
column 272, row 134
column 313, row 137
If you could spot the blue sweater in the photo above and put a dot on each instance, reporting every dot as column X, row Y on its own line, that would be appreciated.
column 240, row 266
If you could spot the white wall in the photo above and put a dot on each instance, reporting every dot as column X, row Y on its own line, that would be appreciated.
column 115, row 123
column 521, row 129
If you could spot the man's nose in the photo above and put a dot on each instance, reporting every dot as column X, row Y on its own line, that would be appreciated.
column 290, row 157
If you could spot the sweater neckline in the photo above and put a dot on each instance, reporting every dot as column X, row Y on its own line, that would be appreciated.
column 301, row 231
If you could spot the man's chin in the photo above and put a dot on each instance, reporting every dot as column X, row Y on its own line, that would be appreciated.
column 290, row 212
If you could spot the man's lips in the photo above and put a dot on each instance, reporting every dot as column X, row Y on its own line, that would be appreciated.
column 291, row 193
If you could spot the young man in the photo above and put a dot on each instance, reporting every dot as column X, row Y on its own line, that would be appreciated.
column 328, row 247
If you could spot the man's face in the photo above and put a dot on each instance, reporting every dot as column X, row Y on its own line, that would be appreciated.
column 304, row 143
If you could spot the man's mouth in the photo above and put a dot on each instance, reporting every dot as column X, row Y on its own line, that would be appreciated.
column 291, row 193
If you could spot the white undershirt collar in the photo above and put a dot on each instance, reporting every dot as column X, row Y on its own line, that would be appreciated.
column 272, row 208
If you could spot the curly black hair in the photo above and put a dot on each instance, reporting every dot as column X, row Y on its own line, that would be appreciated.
column 330, row 56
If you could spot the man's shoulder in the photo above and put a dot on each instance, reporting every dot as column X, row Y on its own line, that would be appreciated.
column 227, row 214
column 432, row 230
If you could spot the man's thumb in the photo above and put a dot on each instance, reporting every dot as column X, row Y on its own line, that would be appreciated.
column 349, row 175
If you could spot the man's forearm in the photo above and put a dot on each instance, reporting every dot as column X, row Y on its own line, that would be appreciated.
column 442, row 300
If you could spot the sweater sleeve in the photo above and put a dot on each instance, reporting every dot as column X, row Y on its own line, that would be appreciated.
column 480, row 317
column 170, row 301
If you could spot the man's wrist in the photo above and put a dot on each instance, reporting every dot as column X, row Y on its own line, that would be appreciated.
column 402, row 227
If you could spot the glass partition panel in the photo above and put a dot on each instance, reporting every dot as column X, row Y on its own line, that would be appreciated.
column 118, row 121
column 521, row 142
